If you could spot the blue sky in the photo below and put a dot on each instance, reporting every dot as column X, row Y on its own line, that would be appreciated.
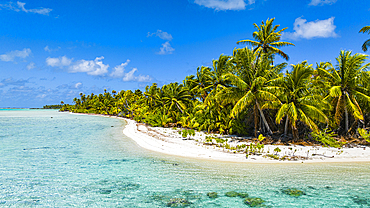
column 50, row 51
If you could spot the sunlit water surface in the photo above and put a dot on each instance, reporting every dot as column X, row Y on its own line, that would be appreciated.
column 52, row 159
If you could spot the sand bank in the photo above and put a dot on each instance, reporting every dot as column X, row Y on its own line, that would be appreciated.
column 168, row 141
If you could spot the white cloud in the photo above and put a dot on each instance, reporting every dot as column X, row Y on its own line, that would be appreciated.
column 119, row 70
column 78, row 85
column 91, row 67
column 321, row 2
column 314, row 29
column 41, row 96
column 143, row 78
column 48, row 49
column 58, row 62
column 131, row 77
column 166, row 48
column 20, row 7
column 10, row 56
column 31, row 66
column 224, row 4
column 96, row 68
column 43, row 11
column 162, row 35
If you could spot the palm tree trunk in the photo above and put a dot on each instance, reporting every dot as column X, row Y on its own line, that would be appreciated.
column 255, row 121
column 346, row 119
column 286, row 126
column 263, row 118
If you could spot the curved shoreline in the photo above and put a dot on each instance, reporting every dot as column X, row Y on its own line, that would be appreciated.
column 192, row 149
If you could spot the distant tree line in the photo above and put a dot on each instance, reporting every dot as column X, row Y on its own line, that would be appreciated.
column 58, row 106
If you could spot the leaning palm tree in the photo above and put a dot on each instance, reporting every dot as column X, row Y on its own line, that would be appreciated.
column 366, row 44
column 345, row 88
column 299, row 103
column 267, row 39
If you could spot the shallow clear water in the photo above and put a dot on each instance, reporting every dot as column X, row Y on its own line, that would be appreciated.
column 52, row 159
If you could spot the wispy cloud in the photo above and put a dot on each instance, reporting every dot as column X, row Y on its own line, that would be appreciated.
column 77, row 85
column 12, row 82
column 162, row 35
column 314, row 29
column 10, row 56
column 48, row 49
column 119, row 70
column 131, row 77
column 321, row 2
column 31, row 65
column 166, row 48
column 224, row 4
column 20, row 6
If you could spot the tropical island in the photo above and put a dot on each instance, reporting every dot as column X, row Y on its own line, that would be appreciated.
column 246, row 102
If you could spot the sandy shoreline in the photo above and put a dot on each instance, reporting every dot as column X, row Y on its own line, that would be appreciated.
column 166, row 141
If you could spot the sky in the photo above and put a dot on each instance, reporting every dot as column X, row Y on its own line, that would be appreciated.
column 51, row 51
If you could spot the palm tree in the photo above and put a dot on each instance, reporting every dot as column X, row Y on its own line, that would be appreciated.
column 175, row 97
column 250, row 85
column 267, row 39
column 345, row 88
column 151, row 95
column 365, row 29
column 203, row 82
column 299, row 103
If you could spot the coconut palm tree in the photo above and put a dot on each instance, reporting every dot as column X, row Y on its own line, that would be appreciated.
column 203, row 82
column 249, row 86
column 299, row 104
column 175, row 97
column 365, row 29
column 345, row 88
column 267, row 39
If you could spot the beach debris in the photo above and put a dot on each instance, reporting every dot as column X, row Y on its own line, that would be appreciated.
column 254, row 201
column 178, row 202
column 293, row 192
column 212, row 195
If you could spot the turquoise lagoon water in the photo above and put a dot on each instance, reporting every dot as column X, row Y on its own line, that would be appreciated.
column 52, row 159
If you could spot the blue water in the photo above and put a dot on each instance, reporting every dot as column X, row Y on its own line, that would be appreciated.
column 52, row 159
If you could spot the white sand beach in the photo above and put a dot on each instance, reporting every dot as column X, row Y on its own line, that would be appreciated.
column 169, row 141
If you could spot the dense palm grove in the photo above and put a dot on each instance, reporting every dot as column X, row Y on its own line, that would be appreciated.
column 247, row 93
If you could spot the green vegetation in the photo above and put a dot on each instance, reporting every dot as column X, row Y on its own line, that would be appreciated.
column 187, row 132
column 364, row 134
column 327, row 138
column 59, row 106
column 248, row 94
